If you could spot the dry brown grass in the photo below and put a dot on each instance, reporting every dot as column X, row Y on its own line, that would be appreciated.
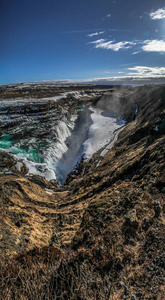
column 48, row 274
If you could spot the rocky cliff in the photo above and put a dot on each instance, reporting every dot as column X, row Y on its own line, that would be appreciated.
column 101, row 235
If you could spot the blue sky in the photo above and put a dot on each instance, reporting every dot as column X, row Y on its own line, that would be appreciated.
column 81, row 39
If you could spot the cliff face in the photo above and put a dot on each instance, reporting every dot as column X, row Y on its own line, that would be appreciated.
column 109, row 215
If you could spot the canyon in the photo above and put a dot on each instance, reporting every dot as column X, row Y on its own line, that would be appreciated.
column 82, row 191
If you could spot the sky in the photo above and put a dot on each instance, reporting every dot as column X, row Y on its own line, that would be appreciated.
column 100, row 41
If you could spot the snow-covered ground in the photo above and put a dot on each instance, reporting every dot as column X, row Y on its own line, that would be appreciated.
column 18, row 102
column 101, row 133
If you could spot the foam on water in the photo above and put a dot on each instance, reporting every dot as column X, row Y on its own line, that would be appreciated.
column 39, row 169
column 30, row 154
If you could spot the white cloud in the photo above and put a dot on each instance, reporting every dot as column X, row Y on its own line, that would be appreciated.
column 144, row 71
column 158, row 14
column 110, row 45
column 107, row 16
column 136, row 52
column 98, row 41
column 95, row 33
column 154, row 46
column 147, row 45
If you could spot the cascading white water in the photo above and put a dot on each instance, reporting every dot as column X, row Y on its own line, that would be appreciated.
column 58, row 148
column 63, row 154
column 54, row 142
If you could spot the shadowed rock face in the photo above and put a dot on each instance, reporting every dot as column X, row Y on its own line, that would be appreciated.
column 119, row 105
column 109, row 215
column 30, row 119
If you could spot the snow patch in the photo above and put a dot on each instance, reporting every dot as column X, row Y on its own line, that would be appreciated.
column 101, row 132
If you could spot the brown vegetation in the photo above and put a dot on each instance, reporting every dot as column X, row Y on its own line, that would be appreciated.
column 101, row 236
